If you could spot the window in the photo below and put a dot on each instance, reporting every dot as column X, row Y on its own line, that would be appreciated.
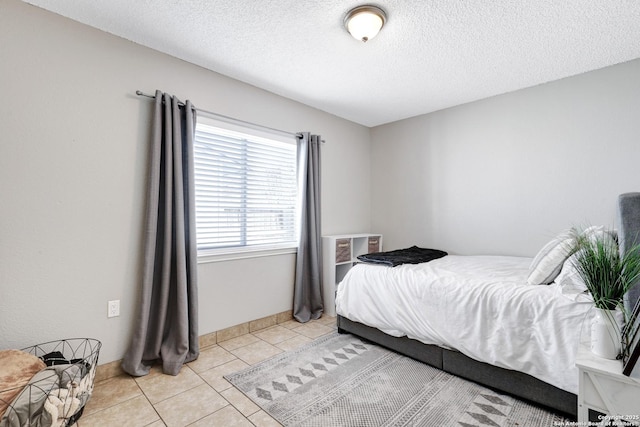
column 246, row 189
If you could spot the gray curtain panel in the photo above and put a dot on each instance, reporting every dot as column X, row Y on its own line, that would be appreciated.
column 166, row 326
column 307, row 294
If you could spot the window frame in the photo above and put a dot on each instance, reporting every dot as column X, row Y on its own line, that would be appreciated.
column 251, row 251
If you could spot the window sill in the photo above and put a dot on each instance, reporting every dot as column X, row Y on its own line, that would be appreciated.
column 206, row 257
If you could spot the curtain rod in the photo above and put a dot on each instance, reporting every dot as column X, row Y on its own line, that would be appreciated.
column 231, row 119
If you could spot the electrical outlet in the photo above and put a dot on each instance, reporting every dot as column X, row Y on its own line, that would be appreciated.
column 113, row 308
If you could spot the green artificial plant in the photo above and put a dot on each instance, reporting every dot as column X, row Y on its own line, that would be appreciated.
column 607, row 274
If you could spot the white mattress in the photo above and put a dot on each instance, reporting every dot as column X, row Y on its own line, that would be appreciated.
column 478, row 305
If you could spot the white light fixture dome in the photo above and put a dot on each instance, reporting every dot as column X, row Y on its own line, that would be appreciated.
column 364, row 22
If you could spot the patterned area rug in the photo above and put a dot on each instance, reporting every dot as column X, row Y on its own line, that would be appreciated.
column 339, row 380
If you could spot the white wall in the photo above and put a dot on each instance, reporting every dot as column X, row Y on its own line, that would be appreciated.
column 503, row 175
column 73, row 147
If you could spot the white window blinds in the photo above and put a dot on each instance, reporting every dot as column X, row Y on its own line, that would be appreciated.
column 246, row 190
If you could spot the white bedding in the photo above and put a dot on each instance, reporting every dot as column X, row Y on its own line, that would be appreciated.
column 478, row 305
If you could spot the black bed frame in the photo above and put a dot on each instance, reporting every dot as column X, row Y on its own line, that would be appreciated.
column 512, row 382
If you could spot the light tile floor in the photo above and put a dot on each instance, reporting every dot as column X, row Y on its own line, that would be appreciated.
column 199, row 395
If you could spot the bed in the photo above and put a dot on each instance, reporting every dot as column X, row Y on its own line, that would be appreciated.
column 510, row 323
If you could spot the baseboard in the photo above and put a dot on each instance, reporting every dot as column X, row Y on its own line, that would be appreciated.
column 113, row 369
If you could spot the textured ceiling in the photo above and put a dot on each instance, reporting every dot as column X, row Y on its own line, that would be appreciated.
column 430, row 55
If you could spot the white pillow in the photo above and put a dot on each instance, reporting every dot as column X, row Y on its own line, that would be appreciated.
column 569, row 281
column 547, row 263
column 605, row 233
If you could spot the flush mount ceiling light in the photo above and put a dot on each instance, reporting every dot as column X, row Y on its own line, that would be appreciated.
column 364, row 22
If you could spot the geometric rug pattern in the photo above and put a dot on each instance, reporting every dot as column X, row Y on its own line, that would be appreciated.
column 340, row 380
column 300, row 375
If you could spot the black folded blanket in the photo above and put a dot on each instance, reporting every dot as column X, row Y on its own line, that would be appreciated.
column 412, row 255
